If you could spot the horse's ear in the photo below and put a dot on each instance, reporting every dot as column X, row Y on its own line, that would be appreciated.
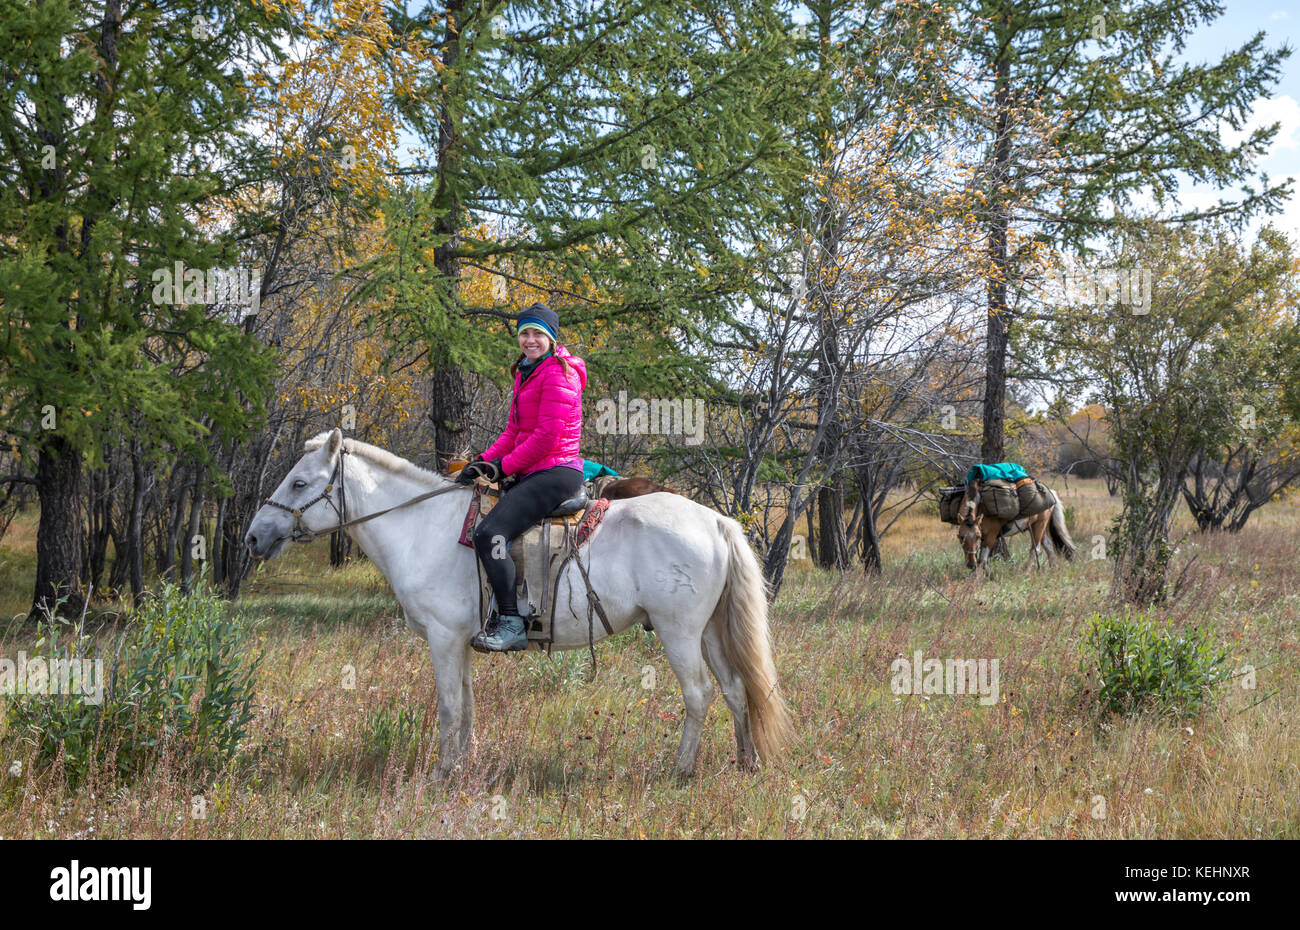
column 335, row 442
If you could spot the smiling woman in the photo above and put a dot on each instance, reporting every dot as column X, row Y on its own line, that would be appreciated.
column 540, row 444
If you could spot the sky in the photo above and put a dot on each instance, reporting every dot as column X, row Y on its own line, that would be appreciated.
column 1241, row 20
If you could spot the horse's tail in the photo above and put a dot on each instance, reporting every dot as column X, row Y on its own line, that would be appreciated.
column 748, row 643
column 1060, row 534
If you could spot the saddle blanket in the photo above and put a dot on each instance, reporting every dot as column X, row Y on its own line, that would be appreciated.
column 1002, row 471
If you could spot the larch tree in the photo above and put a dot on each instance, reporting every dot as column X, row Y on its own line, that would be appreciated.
column 616, row 146
column 120, row 130
column 1122, row 118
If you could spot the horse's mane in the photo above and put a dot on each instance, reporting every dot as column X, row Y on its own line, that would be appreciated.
column 380, row 457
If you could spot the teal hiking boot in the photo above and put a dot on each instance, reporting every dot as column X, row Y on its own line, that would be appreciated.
column 507, row 633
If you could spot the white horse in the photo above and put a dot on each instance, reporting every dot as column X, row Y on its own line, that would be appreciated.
column 661, row 557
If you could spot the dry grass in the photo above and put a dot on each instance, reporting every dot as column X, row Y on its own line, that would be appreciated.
column 558, row 756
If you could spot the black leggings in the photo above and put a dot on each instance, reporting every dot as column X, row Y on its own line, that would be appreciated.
column 536, row 495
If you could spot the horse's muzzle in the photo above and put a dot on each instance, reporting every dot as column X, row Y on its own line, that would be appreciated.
column 263, row 547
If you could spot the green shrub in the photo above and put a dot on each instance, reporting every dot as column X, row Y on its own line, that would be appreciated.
column 393, row 732
column 1139, row 666
column 180, row 675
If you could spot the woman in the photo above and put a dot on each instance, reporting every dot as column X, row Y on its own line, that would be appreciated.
column 540, row 444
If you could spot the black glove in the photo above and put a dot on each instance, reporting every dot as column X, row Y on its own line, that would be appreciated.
column 480, row 468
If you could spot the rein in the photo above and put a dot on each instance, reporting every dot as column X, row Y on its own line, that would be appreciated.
column 302, row 534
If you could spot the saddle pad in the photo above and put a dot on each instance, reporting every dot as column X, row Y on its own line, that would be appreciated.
column 471, row 516
column 595, row 513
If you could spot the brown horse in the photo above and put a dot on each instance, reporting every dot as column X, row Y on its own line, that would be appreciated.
column 979, row 532
column 618, row 489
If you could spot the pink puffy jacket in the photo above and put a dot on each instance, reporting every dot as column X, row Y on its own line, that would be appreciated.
column 545, row 422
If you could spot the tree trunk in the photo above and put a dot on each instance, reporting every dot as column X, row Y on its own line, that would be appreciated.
column 135, row 522
column 100, row 514
column 121, row 557
column 812, row 534
column 449, row 412
column 175, row 520
column 832, row 547
column 778, row 556
column 340, row 549
column 218, row 553
column 871, row 561
column 448, row 394
column 992, row 447
column 1143, row 552
column 192, row 531
column 59, row 534
column 237, row 559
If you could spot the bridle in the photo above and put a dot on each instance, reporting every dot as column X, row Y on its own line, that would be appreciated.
column 300, row 532
column 303, row 534
column 971, row 522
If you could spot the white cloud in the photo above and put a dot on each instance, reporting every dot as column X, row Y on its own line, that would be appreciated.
column 1264, row 112
column 1281, row 161
column 1288, row 221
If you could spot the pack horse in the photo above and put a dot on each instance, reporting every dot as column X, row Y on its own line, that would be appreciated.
column 707, row 601
column 1001, row 500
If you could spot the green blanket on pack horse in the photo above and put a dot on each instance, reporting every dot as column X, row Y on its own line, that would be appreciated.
column 593, row 470
column 1006, row 492
column 1002, row 471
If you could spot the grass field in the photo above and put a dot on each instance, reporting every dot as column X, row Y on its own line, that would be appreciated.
column 559, row 755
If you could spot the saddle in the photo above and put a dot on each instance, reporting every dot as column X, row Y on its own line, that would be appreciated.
column 540, row 554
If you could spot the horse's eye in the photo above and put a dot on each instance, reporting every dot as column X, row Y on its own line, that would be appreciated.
column 299, row 484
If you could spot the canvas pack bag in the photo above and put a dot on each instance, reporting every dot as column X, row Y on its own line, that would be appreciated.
column 1034, row 496
column 950, row 503
column 1006, row 500
column 999, row 499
